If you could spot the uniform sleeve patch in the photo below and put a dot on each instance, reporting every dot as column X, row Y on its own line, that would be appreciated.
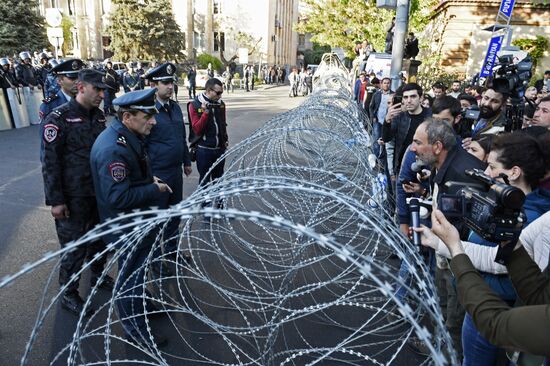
column 118, row 171
column 50, row 133
column 121, row 140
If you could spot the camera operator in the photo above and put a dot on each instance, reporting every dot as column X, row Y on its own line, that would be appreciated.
column 526, row 328
column 519, row 160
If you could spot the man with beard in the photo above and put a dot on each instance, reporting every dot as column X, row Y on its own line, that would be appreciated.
column 455, row 89
column 67, row 75
column 435, row 144
column 492, row 112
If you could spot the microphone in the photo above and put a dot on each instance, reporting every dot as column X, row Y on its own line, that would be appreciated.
column 414, row 209
column 417, row 167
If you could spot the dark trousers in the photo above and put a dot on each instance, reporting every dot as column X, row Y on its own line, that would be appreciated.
column 83, row 216
column 170, row 230
column 108, row 96
column 130, row 287
column 205, row 159
column 192, row 90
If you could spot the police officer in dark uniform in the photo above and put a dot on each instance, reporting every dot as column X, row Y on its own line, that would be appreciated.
column 68, row 135
column 167, row 144
column 7, row 75
column 67, row 75
column 25, row 72
column 123, row 182
column 208, row 132
column 51, row 87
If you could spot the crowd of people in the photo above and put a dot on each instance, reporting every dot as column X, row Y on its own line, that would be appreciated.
column 422, row 139
column 426, row 139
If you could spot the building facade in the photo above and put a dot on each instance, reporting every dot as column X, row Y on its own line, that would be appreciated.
column 216, row 27
column 457, row 38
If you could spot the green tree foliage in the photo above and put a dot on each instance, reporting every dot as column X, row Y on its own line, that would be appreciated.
column 146, row 30
column 204, row 59
column 22, row 28
column 67, row 26
column 535, row 46
column 339, row 23
column 313, row 56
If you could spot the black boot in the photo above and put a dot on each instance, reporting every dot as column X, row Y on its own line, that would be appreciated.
column 72, row 302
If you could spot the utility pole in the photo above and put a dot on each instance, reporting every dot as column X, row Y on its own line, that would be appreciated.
column 398, row 46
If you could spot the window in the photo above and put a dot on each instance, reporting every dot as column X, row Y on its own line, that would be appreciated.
column 219, row 41
column 217, row 6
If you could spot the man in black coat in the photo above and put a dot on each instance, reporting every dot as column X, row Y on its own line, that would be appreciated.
column 411, row 46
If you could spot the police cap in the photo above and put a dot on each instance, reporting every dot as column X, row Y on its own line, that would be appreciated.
column 94, row 77
column 139, row 100
column 69, row 68
column 165, row 71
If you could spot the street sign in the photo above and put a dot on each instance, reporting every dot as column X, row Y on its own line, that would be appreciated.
column 506, row 7
column 53, row 17
column 243, row 56
column 55, row 36
column 490, row 58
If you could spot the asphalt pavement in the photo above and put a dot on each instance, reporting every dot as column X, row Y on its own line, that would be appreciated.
column 27, row 229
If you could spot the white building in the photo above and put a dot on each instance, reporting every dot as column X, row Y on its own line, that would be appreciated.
column 217, row 27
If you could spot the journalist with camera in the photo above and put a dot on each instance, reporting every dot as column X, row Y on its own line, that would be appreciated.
column 505, row 199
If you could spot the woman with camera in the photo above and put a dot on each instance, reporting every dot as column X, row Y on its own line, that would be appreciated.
column 525, row 328
column 518, row 160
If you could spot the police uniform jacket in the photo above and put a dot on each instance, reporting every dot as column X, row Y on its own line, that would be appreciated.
column 51, row 103
column 68, row 134
column 122, row 175
column 208, row 128
column 167, row 145
column 26, row 74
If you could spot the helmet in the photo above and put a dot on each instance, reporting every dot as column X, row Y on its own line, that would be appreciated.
column 53, row 62
column 25, row 55
column 43, row 55
column 4, row 61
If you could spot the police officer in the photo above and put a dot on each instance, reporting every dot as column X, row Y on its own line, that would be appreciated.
column 68, row 135
column 167, row 144
column 67, row 75
column 7, row 75
column 124, row 181
column 208, row 132
column 25, row 72
column 51, row 87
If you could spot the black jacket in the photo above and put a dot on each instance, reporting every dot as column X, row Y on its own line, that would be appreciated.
column 375, row 104
column 398, row 129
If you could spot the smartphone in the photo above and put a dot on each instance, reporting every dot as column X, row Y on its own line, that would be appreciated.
column 397, row 99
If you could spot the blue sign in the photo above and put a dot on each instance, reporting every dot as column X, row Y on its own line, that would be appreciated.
column 506, row 7
column 490, row 58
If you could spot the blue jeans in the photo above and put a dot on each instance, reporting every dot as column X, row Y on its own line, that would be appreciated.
column 205, row 159
column 477, row 350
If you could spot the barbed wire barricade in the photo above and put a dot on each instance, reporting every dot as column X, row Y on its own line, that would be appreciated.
column 291, row 259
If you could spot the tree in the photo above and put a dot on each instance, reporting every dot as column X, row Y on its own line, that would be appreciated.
column 339, row 23
column 22, row 28
column 314, row 55
column 242, row 39
column 146, row 30
column 67, row 26
column 536, row 47
column 204, row 59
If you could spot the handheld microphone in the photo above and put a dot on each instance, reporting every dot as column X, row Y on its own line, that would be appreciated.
column 417, row 167
column 414, row 209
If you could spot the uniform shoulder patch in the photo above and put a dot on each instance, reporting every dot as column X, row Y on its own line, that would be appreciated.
column 50, row 98
column 121, row 140
column 50, row 132
column 118, row 171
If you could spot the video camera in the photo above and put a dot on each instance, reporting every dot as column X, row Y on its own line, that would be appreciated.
column 491, row 209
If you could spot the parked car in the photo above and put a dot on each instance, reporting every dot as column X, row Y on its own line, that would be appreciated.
column 119, row 67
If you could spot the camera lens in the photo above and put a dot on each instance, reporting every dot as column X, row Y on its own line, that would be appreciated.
column 509, row 196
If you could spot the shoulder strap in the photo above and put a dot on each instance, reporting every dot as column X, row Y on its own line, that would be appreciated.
column 193, row 139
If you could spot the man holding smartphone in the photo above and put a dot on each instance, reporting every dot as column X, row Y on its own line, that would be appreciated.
column 543, row 83
column 399, row 126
